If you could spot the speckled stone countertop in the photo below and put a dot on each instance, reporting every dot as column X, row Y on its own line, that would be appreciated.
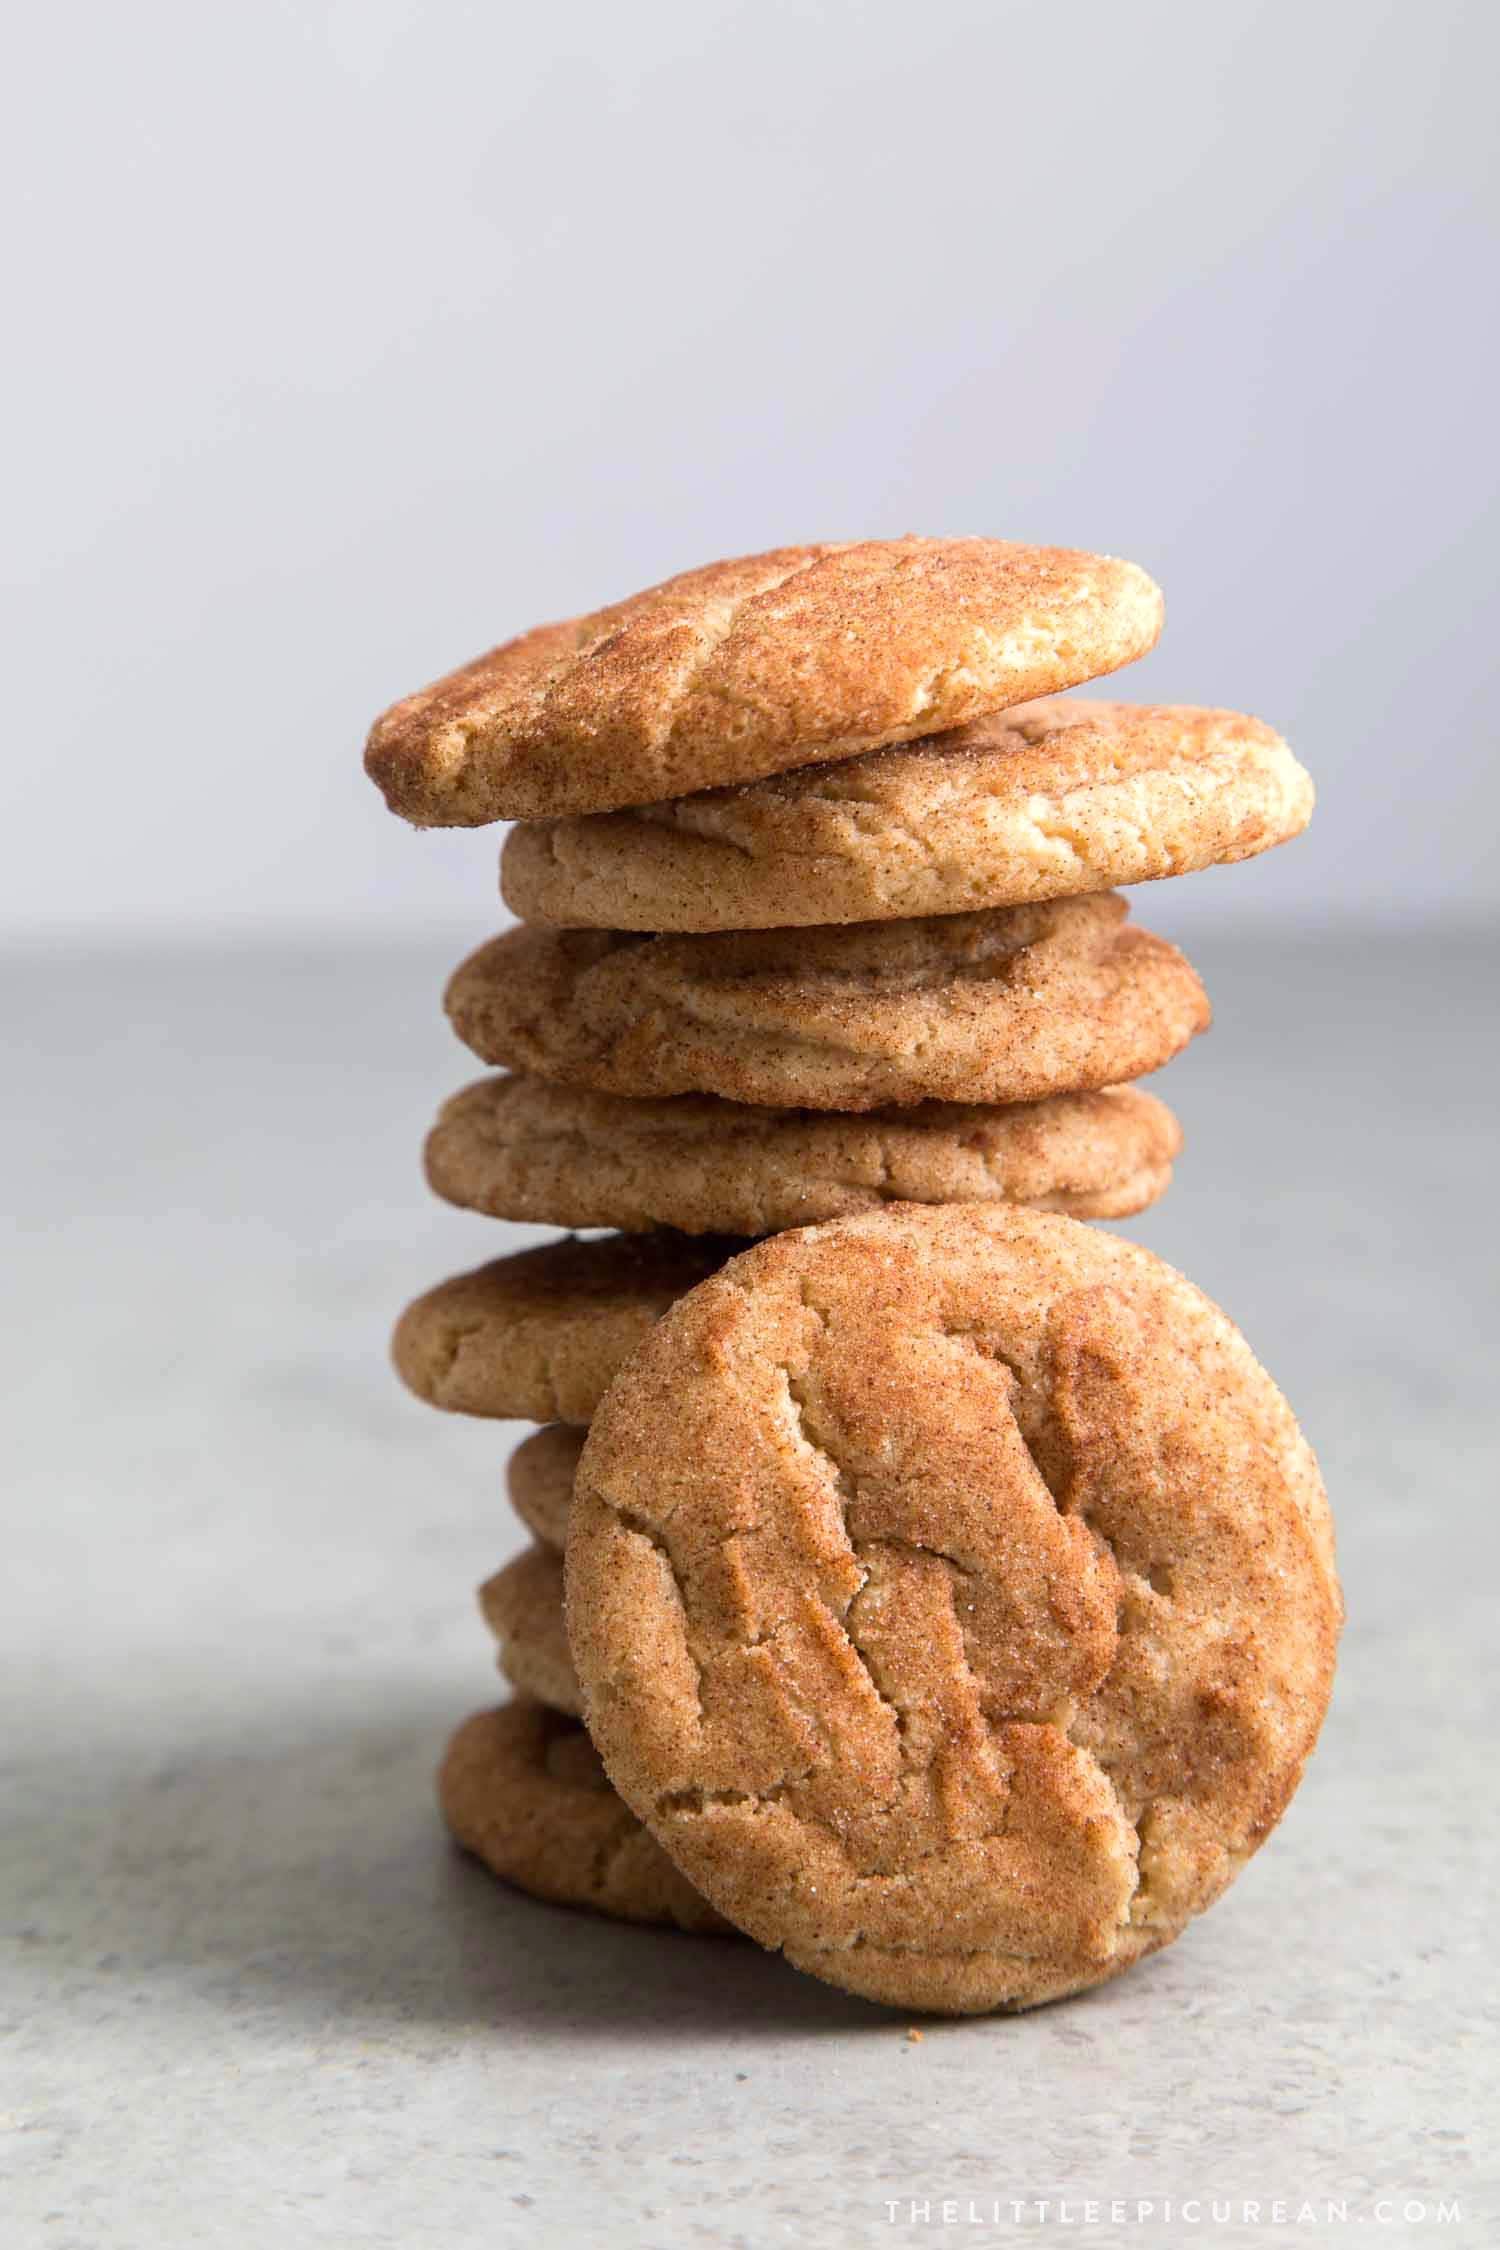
column 250, row 1993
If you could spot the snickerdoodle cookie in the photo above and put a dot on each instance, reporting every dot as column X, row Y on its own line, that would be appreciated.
column 749, row 667
column 953, row 1595
column 1007, row 1005
column 1041, row 802
column 538, row 1336
column 539, row 1478
column 520, row 1148
column 523, row 1607
column 522, row 1788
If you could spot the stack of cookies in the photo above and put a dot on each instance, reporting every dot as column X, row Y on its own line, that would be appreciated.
column 949, row 1597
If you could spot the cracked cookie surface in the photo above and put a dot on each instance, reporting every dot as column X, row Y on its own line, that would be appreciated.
column 537, row 1337
column 749, row 667
column 1047, row 800
column 522, row 1788
column 522, row 1148
column 1007, row 1005
column 953, row 1595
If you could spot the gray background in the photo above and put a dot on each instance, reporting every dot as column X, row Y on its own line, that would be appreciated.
column 344, row 340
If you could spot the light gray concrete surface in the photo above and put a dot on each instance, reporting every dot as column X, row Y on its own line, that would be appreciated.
column 251, row 1996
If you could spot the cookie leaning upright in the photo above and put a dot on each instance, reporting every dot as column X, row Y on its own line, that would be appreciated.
column 746, row 668
column 952, row 1595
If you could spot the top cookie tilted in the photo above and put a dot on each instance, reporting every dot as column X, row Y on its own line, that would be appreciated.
column 748, row 668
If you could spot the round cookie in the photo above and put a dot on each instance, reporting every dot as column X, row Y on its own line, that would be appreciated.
column 520, row 1148
column 523, row 1790
column 1040, row 802
column 539, row 1478
column 749, row 667
column 537, row 1337
column 953, row 1595
column 1007, row 1005
column 523, row 1607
